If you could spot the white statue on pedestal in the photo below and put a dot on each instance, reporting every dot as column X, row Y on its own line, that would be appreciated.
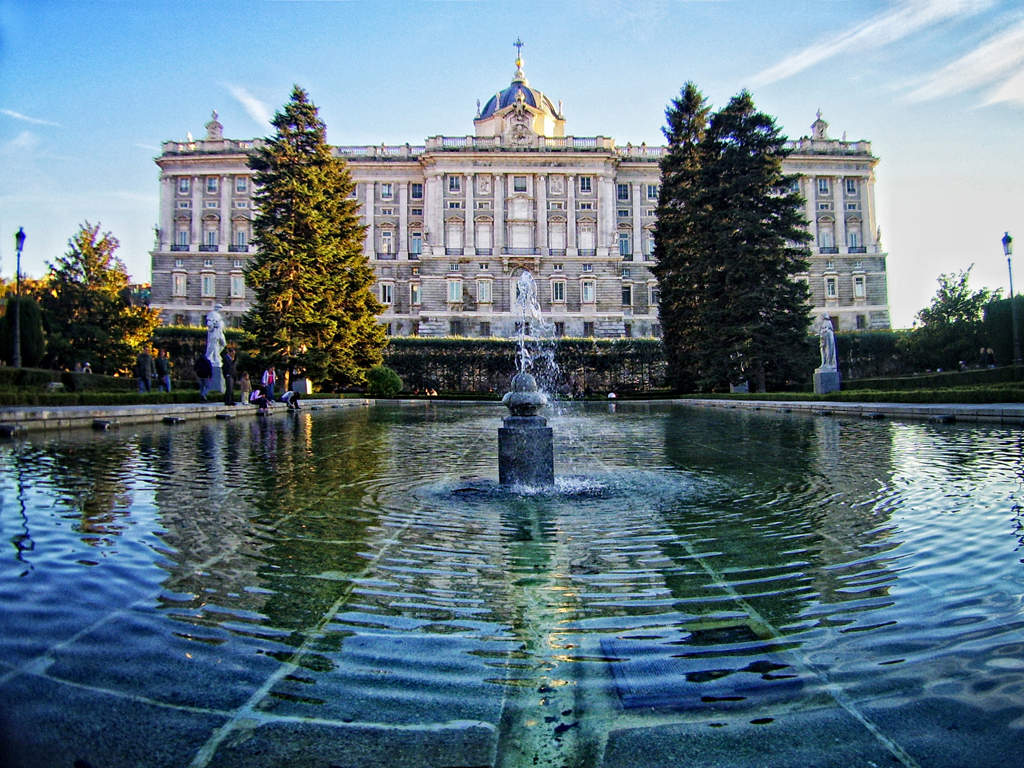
column 215, row 341
column 827, row 342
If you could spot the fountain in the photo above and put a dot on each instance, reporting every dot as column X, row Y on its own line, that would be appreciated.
column 526, row 454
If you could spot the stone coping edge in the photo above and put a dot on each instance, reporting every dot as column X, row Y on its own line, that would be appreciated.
column 38, row 418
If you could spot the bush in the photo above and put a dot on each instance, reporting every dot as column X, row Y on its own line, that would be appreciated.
column 381, row 381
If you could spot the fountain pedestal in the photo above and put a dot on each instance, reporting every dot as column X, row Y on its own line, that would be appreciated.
column 526, row 454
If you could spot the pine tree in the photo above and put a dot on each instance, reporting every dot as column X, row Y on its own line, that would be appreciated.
column 734, row 242
column 87, row 309
column 314, row 310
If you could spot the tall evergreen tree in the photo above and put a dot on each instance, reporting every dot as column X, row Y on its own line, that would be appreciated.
column 734, row 241
column 314, row 308
column 87, row 309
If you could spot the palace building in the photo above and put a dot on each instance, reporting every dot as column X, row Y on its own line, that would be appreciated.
column 450, row 224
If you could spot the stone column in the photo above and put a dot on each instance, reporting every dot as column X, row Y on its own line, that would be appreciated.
column 810, row 209
column 433, row 203
column 468, row 233
column 606, row 213
column 541, row 196
column 499, row 213
column 370, row 213
column 638, row 224
column 224, row 237
column 839, row 205
column 403, row 221
column 197, row 215
column 570, row 215
column 168, row 190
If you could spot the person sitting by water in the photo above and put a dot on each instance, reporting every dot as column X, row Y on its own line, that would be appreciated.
column 291, row 399
column 260, row 399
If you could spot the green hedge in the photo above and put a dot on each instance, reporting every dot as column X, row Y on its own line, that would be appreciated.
column 936, row 381
column 30, row 398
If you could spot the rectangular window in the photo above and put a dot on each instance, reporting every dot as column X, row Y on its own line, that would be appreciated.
column 625, row 271
column 586, row 183
column 386, row 191
column 184, row 204
column 183, row 185
column 212, row 204
column 625, row 246
column 211, row 184
column 180, row 285
column 622, row 191
column 209, row 286
column 587, row 291
column 623, row 213
column 588, row 328
column 179, row 262
column 588, row 267
column 518, row 183
column 241, row 203
column 416, row 247
column 416, row 191
column 851, row 186
column 415, row 294
column 586, row 206
column 483, row 291
column 556, row 205
column 858, row 287
column 485, row 329
column 853, row 238
column 241, row 184
column 627, row 295
column 822, row 186
column 559, row 329
column 556, row 267
column 415, row 211
column 454, row 291
column 627, row 330
column 853, row 206
column 455, row 204
column 453, row 266
column 652, row 191
column 211, row 237
column 653, row 295
column 484, row 205
column 483, row 266
column 387, row 212
column 207, row 263
column 387, row 241
column 862, row 322
column 237, row 286
column 830, row 288
column 558, row 291
column 387, row 293
column 183, row 237
column 454, row 183
column 454, row 327
column 240, row 238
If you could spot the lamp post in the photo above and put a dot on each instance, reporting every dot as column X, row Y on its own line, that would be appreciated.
column 1008, row 250
column 19, row 241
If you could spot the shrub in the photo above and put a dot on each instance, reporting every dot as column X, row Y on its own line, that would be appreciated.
column 381, row 381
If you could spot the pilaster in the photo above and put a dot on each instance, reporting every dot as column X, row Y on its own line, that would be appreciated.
column 541, row 196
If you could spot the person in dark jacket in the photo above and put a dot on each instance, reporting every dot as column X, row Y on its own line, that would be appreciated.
column 227, row 369
column 144, row 370
column 163, row 370
column 204, row 373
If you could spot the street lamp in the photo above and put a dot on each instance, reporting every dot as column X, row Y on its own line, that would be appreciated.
column 1008, row 250
column 19, row 241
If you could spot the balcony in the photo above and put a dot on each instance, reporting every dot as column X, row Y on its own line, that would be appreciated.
column 208, row 248
column 387, row 256
column 626, row 256
column 180, row 247
column 858, row 249
column 454, row 251
column 521, row 251
column 587, row 252
column 484, row 251
column 557, row 251
column 238, row 249
column 829, row 249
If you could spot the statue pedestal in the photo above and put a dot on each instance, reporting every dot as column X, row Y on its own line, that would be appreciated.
column 526, row 452
column 217, row 380
column 825, row 381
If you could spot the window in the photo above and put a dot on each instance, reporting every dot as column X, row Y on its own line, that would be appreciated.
column 212, row 204
column 858, row 287
column 586, row 206
column 179, row 262
column 625, row 272
column 559, row 329
column 623, row 213
column 455, row 204
column 587, row 291
column 207, row 263
column 858, row 265
column 415, row 294
column 862, row 322
column 483, row 266
column 853, row 206
column 240, row 238
column 622, row 191
column 184, row 204
column 824, row 206
column 822, row 186
column 211, row 237
column 209, row 286
column 586, row 183
column 241, row 203
column 558, row 290
column 556, row 205
column 453, row 266
column 454, row 327
column 386, row 191
column 830, row 265
column 180, row 285
column 483, row 291
column 653, row 295
column 387, row 212
column 484, row 205
column 183, row 185
column 588, row 267
column 485, row 329
column 627, row 295
column 416, row 191
column 416, row 247
column 415, row 211
column 454, row 291
column 454, row 183
column 518, row 183
column 652, row 191
column 830, row 288
column 625, row 247
column 211, row 184
column 387, row 293
column 627, row 330
column 588, row 328
column 237, row 286
column 238, row 263
column 556, row 267
column 851, row 186
column 387, row 241
column 183, row 237
column 853, row 237
column 241, row 184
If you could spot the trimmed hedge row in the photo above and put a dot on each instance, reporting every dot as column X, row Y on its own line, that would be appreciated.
column 937, row 381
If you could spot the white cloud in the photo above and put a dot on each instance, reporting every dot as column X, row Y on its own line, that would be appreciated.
column 998, row 57
column 904, row 19
column 256, row 109
column 21, row 145
column 1012, row 91
column 26, row 118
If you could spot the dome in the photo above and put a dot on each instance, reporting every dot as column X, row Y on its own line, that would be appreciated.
column 507, row 98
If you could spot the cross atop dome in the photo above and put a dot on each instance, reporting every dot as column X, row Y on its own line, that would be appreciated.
column 519, row 76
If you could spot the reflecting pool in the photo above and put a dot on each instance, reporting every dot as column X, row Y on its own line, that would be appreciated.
column 354, row 588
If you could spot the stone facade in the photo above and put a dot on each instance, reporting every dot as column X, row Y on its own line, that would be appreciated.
column 451, row 223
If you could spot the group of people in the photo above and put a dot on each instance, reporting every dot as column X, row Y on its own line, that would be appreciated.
column 150, row 369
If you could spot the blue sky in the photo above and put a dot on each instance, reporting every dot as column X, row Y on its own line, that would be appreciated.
column 89, row 90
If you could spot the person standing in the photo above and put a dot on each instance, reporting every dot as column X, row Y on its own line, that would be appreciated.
column 163, row 370
column 204, row 373
column 144, row 370
column 245, row 385
column 227, row 370
column 268, row 381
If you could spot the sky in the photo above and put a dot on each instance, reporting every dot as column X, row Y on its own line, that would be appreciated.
column 90, row 90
